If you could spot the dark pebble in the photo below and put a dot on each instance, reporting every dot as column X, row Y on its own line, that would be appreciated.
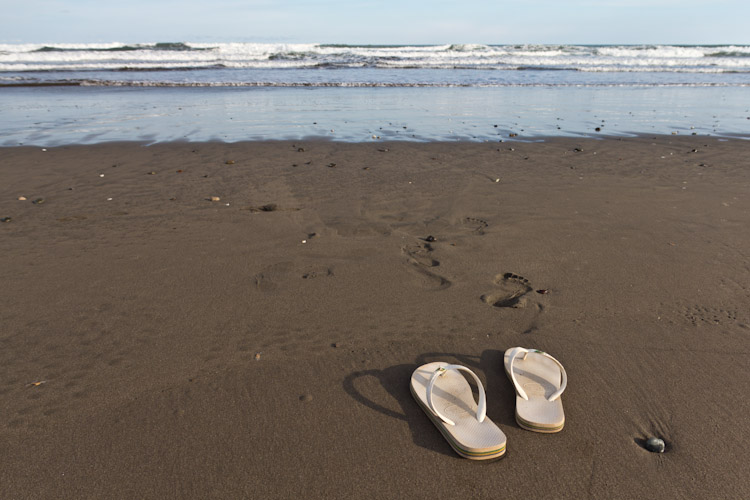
column 6, row 219
column 305, row 398
column 430, row 239
column 655, row 445
column 271, row 207
column 38, row 201
column 543, row 291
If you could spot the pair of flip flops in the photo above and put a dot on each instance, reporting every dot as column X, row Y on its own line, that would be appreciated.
column 446, row 397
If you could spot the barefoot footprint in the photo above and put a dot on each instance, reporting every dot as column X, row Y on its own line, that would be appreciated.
column 477, row 225
column 512, row 292
column 420, row 253
column 420, row 257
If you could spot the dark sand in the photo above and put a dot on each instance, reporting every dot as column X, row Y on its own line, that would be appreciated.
column 144, row 316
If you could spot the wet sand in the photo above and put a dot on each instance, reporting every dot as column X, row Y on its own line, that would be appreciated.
column 157, row 344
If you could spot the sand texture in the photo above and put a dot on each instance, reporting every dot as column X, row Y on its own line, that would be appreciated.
column 157, row 344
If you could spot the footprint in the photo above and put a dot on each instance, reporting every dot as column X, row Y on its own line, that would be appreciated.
column 699, row 314
column 476, row 225
column 318, row 272
column 420, row 259
column 420, row 253
column 512, row 292
column 432, row 280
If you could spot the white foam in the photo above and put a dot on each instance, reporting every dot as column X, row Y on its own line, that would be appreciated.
column 707, row 59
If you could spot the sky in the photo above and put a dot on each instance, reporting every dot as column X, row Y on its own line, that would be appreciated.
column 377, row 21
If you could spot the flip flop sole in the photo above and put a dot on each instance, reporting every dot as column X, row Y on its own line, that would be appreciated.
column 530, row 426
column 471, row 455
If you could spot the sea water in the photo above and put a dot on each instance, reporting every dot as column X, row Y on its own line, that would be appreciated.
column 88, row 93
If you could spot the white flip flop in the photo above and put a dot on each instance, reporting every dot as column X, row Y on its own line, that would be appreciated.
column 539, row 380
column 446, row 397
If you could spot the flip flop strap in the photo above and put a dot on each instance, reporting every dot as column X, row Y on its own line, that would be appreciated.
column 481, row 407
column 526, row 352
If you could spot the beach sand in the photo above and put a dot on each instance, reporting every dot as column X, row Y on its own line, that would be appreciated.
column 156, row 344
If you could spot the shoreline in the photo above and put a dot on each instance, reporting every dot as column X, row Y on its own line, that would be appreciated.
column 189, row 349
column 49, row 116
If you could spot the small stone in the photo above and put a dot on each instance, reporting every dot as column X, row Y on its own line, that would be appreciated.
column 101, row 175
column 271, row 207
column 215, row 198
column 331, row 165
column 306, row 398
column 430, row 239
column 38, row 201
column 543, row 291
column 300, row 150
column 655, row 445
column 109, row 199
column 598, row 129
column 6, row 219
column 21, row 198
column 229, row 162
column 335, row 345
column 179, row 171
column 152, row 173
column 257, row 356
column 497, row 180
column 43, row 149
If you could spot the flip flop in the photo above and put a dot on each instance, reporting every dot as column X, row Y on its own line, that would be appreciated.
column 539, row 380
column 446, row 398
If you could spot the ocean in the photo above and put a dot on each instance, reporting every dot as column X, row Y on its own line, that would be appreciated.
column 53, row 94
